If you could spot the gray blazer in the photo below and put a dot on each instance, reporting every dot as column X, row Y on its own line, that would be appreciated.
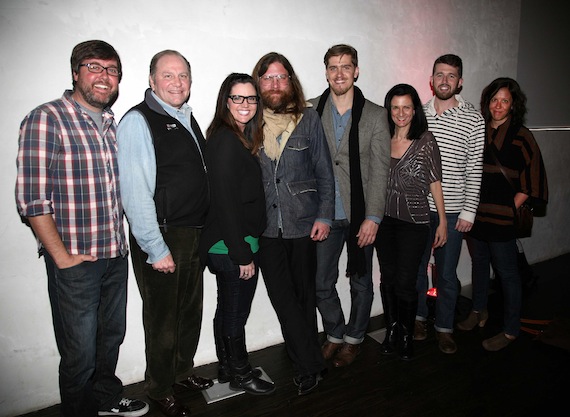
column 374, row 142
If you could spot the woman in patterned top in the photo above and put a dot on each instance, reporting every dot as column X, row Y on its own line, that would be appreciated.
column 415, row 171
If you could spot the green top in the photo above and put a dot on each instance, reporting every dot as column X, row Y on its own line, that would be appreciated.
column 220, row 248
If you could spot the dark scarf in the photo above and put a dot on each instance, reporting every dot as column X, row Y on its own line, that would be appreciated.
column 356, row 264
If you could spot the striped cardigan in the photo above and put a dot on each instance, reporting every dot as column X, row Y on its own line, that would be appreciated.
column 520, row 156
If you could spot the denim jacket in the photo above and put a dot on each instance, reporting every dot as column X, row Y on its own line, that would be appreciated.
column 299, row 186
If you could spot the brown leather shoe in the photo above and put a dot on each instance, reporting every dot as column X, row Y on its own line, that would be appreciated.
column 420, row 331
column 172, row 407
column 445, row 342
column 195, row 382
column 329, row 349
column 346, row 355
column 498, row 342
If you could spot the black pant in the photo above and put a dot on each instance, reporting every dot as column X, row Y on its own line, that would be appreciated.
column 400, row 246
column 172, row 310
column 288, row 267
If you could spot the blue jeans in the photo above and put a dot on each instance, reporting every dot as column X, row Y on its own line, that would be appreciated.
column 88, row 303
column 503, row 257
column 448, row 287
column 361, row 289
column 235, row 295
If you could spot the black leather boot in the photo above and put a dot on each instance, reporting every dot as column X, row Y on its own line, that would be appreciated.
column 388, row 346
column 223, row 365
column 406, row 323
column 242, row 375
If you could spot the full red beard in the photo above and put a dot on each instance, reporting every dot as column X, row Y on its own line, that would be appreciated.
column 277, row 100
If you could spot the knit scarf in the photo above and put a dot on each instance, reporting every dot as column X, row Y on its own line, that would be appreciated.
column 275, row 125
column 356, row 264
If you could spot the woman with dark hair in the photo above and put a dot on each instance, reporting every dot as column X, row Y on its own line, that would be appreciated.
column 415, row 171
column 236, row 219
column 510, row 148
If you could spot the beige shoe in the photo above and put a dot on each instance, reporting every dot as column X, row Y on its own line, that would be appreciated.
column 445, row 342
column 475, row 318
column 420, row 331
column 497, row 342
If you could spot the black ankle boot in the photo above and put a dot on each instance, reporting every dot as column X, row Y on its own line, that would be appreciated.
column 242, row 375
column 389, row 344
column 406, row 343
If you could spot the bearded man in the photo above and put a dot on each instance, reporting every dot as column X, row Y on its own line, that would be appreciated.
column 459, row 130
column 67, row 190
column 299, row 191
column 358, row 138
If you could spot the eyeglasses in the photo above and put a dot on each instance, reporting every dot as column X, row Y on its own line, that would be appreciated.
column 280, row 78
column 240, row 99
column 98, row 69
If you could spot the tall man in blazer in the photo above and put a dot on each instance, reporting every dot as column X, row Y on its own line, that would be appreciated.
column 359, row 141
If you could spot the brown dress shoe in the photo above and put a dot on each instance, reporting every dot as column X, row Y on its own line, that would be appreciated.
column 420, row 331
column 497, row 342
column 445, row 342
column 346, row 355
column 195, row 382
column 172, row 407
column 329, row 349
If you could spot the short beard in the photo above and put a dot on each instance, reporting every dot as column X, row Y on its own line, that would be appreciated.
column 93, row 100
column 444, row 96
column 277, row 102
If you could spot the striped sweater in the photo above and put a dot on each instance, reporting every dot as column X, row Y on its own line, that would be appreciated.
column 460, row 135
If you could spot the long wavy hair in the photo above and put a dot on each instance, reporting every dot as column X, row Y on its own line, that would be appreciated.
column 298, row 104
column 252, row 136
column 518, row 108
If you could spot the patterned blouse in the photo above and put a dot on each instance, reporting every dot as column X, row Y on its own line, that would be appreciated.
column 410, row 178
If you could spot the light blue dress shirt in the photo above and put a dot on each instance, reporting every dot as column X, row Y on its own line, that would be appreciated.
column 137, row 173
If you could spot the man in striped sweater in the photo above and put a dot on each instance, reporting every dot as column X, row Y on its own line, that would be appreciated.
column 460, row 133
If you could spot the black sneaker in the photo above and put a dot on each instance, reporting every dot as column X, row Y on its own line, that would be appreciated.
column 127, row 408
column 307, row 383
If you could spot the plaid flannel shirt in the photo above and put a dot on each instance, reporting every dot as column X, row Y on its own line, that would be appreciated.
column 66, row 168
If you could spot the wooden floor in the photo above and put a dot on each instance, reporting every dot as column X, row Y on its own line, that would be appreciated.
column 528, row 378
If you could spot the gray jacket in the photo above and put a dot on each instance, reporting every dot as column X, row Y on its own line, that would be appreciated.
column 374, row 143
column 299, row 187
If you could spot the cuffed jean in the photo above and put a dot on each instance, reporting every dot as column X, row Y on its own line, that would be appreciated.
column 88, row 303
column 172, row 310
column 503, row 257
column 235, row 295
column 288, row 269
column 361, row 289
column 446, row 260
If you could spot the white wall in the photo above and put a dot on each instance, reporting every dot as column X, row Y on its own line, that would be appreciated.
column 397, row 42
